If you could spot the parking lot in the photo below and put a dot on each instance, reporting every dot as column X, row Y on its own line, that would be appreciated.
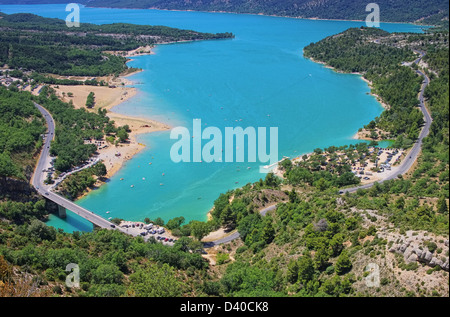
column 148, row 230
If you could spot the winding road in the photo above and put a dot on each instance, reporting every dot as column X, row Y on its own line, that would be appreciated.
column 413, row 154
column 39, row 176
column 403, row 168
column 44, row 160
column 236, row 234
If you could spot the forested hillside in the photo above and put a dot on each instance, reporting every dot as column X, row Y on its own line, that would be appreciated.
column 33, row 256
column 391, row 10
column 319, row 243
column 398, row 86
column 45, row 45
column 337, row 236
column 21, row 126
column 357, row 50
column 431, row 12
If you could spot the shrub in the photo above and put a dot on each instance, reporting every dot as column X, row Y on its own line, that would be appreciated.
column 222, row 258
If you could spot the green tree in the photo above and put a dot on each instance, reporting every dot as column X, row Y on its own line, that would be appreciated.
column 199, row 229
column 7, row 166
column 175, row 223
column 268, row 232
column 442, row 206
column 321, row 258
column 159, row 222
column 41, row 231
column 321, row 184
column 155, row 281
column 292, row 271
column 336, row 244
column 400, row 203
column 90, row 100
column 305, row 268
column 343, row 263
column 228, row 217
column 107, row 274
column 100, row 169
column 122, row 134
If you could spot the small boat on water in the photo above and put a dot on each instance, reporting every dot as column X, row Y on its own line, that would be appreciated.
column 132, row 186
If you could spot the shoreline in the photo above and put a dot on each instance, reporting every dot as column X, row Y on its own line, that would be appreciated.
column 114, row 157
column 248, row 13
column 108, row 97
column 359, row 135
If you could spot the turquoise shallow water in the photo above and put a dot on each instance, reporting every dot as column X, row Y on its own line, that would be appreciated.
column 258, row 79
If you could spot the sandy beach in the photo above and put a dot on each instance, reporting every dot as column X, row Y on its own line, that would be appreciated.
column 141, row 50
column 106, row 97
column 364, row 134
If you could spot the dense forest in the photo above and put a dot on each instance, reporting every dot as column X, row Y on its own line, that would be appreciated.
column 433, row 12
column 391, row 11
column 357, row 50
column 45, row 45
column 21, row 126
column 112, row 264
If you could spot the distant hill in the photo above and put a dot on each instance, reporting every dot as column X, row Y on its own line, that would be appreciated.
column 391, row 10
column 426, row 11
column 45, row 45
column 39, row 1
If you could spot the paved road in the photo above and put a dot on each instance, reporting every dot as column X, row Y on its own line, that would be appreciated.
column 236, row 234
column 45, row 190
column 39, row 176
column 402, row 169
column 415, row 151
column 60, row 179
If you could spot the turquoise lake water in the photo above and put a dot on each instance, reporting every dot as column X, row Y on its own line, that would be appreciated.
column 258, row 79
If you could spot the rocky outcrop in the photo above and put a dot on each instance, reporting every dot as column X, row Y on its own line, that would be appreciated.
column 340, row 201
column 412, row 253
